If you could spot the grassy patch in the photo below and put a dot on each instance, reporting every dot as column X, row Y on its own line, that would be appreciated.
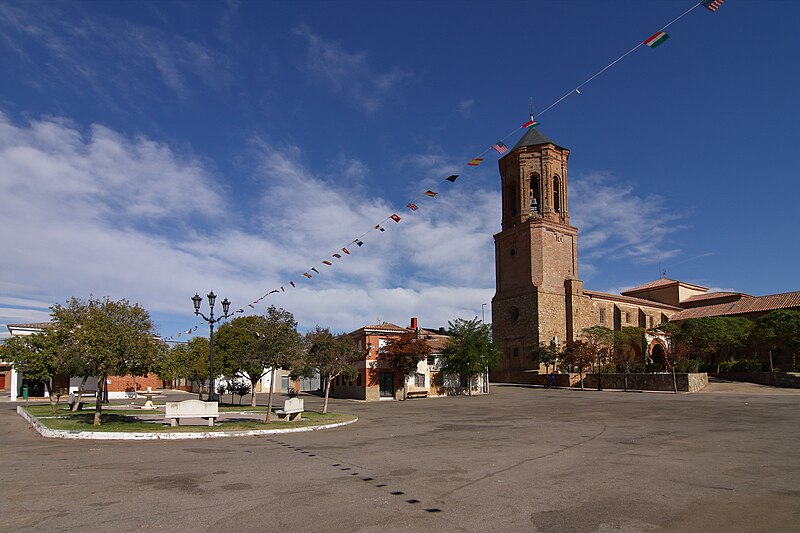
column 135, row 421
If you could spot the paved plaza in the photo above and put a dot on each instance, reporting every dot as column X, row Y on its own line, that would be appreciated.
column 520, row 459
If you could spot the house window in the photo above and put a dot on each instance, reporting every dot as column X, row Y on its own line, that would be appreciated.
column 627, row 318
column 556, row 195
column 602, row 316
column 419, row 380
column 381, row 343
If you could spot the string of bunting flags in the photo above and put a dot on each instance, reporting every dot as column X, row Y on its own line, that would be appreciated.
column 500, row 147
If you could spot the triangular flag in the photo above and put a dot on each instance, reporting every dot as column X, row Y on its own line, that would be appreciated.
column 475, row 162
column 413, row 207
column 396, row 218
column 327, row 262
column 656, row 39
column 453, row 178
column 500, row 147
column 337, row 256
column 345, row 250
column 430, row 193
column 531, row 123
column 179, row 335
column 306, row 274
column 379, row 228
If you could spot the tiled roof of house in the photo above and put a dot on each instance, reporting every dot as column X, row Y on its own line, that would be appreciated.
column 384, row 327
column 714, row 296
column 754, row 304
column 630, row 300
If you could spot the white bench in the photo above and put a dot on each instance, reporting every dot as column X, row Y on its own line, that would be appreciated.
column 292, row 410
column 191, row 409
column 74, row 396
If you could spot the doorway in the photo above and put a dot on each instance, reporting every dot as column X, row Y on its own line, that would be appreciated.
column 387, row 384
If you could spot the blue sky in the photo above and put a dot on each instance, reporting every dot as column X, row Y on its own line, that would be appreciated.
column 151, row 150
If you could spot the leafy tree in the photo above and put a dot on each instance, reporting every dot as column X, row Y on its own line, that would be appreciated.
column 36, row 356
column 470, row 349
column 109, row 337
column 241, row 353
column 715, row 335
column 599, row 339
column 545, row 354
column 779, row 330
column 404, row 353
column 677, row 351
column 580, row 355
column 333, row 355
column 625, row 342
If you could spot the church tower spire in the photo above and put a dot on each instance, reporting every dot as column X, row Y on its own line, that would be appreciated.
column 536, row 252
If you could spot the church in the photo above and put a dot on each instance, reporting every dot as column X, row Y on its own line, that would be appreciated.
column 539, row 298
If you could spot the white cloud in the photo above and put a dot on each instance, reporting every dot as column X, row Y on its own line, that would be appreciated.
column 464, row 107
column 348, row 73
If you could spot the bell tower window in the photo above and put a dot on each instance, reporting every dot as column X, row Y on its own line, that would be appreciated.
column 556, row 194
column 534, row 193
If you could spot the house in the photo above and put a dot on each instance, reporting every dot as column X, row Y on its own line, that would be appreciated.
column 377, row 380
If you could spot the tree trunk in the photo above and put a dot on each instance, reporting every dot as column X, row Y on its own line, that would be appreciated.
column 674, row 380
column 770, row 360
column 77, row 405
column 625, row 374
column 50, row 396
column 327, row 391
column 580, row 374
column 268, row 419
column 469, row 385
column 405, row 387
column 98, row 406
column 253, row 392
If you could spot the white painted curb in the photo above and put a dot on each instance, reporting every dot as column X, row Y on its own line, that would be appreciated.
column 118, row 435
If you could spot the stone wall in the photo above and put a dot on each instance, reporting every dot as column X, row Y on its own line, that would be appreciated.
column 773, row 379
column 654, row 382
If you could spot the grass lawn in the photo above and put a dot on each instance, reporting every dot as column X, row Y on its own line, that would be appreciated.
column 128, row 420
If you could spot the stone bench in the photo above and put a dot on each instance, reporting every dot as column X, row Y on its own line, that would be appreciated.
column 191, row 409
column 292, row 410
column 77, row 397
column 417, row 394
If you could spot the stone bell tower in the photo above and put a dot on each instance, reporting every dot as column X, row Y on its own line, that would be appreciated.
column 536, row 253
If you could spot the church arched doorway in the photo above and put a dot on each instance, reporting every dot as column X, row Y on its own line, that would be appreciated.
column 658, row 356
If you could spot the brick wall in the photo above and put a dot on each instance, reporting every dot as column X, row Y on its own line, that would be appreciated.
column 654, row 382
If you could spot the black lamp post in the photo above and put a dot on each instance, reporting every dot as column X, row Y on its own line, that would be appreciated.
column 599, row 373
column 197, row 300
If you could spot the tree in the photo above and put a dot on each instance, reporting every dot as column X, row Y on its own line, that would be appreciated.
column 109, row 337
column 623, row 354
column 470, row 350
column 677, row 348
column 779, row 330
column 600, row 340
column 241, row 352
column 580, row 355
column 36, row 356
column 404, row 353
column 333, row 355
column 545, row 354
column 715, row 335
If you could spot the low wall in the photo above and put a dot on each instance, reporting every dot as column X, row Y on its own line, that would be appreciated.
column 530, row 377
column 657, row 382
column 773, row 379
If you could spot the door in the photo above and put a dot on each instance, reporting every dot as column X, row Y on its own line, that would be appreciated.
column 387, row 384
column 437, row 384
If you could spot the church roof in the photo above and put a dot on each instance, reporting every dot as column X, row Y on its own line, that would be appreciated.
column 534, row 137
column 755, row 304
column 630, row 299
column 662, row 282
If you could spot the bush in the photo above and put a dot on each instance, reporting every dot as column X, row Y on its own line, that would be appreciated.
column 688, row 366
column 743, row 366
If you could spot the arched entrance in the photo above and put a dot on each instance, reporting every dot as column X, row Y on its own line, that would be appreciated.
column 658, row 354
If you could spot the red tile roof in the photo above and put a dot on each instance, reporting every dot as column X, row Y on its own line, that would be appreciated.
column 714, row 295
column 630, row 300
column 753, row 304
column 662, row 282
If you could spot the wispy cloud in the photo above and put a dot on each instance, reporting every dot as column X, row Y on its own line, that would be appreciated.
column 464, row 107
column 348, row 73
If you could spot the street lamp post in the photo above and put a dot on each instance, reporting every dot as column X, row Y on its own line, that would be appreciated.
column 197, row 300
column 599, row 373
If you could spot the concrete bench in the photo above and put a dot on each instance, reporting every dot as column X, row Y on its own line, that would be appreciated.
column 191, row 409
column 292, row 410
column 417, row 394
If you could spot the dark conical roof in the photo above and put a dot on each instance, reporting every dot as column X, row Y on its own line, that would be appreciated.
column 534, row 137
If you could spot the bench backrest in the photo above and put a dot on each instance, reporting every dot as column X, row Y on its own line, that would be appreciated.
column 191, row 408
column 293, row 404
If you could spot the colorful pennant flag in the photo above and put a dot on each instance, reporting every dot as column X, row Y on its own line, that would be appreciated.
column 656, row 39
column 179, row 335
column 396, row 218
column 358, row 242
column 475, row 162
column 530, row 124
column 273, row 291
column 430, row 193
column 379, row 228
column 326, row 262
column 713, row 5
column 337, row 256
column 345, row 250
column 292, row 284
column 453, row 178
column 306, row 274
column 413, row 207
column 315, row 270
column 500, row 147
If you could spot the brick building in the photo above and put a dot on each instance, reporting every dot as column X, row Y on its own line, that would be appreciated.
column 539, row 297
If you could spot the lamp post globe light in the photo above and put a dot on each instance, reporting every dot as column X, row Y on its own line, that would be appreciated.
column 197, row 300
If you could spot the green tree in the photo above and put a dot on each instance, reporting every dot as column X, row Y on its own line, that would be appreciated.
column 470, row 350
column 36, row 356
column 625, row 343
column 779, row 330
column 677, row 348
column 715, row 336
column 599, row 339
column 580, row 355
column 333, row 355
column 545, row 354
column 109, row 337
column 404, row 354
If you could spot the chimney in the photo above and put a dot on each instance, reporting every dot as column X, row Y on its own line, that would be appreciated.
column 414, row 324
